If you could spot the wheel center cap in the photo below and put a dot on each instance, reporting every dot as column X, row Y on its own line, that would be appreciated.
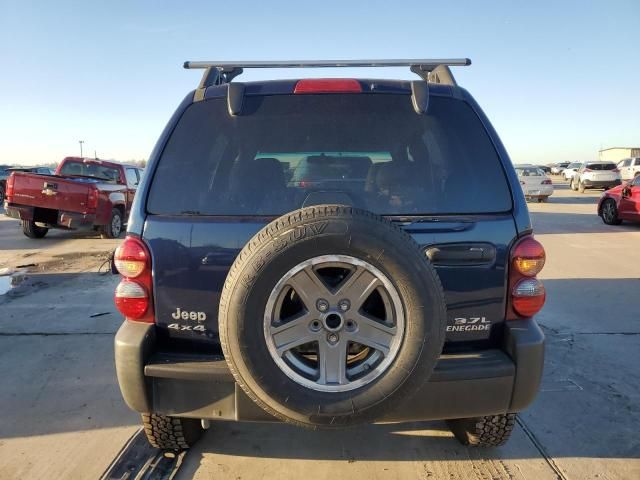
column 332, row 321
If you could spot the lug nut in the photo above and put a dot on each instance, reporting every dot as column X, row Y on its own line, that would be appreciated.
column 322, row 305
column 344, row 305
column 332, row 338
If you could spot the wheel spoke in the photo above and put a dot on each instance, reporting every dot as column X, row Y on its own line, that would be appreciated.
column 358, row 286
column 332, row 362
column 308, row 287
column 292, row 334
column 373, row 333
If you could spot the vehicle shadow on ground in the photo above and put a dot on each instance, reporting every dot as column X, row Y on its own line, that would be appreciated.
column 12, row 238
column 56, row 352
column 419, row 441
column 553, row 222
column 578, row 199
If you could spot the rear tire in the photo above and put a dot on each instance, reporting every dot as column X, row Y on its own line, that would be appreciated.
column 171, row 433
column 113, row 229
column 573, row 185
column 489, row 431
column 581, row 188
column 31, row 230
column 1, row 196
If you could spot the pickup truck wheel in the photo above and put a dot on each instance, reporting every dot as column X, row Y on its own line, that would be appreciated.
column 1, row 196
column 324, row 324
column 113, row 229
column 31, row 230
column 171, row 433
column 489, row 431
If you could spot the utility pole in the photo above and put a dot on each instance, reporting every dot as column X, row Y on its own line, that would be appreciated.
column 95, row 155
column 80, row 142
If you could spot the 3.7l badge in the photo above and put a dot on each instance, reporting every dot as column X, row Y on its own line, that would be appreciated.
column 462, row 324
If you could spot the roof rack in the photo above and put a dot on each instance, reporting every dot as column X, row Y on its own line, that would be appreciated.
column 434, row 70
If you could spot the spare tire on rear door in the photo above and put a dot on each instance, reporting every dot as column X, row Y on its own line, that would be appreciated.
column 330, row 316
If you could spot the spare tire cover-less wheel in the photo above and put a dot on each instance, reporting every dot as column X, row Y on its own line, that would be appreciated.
column 330, row 316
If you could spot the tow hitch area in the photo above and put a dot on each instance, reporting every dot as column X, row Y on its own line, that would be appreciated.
column 140, row 461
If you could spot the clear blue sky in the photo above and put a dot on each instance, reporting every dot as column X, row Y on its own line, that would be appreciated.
column 558, row 79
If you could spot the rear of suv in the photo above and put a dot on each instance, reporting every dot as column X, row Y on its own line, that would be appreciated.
column 596, row 175
column 326, row 252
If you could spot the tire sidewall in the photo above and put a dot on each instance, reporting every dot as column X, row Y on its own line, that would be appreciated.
column 241, row 321
column 615, row 219
column 108, row 229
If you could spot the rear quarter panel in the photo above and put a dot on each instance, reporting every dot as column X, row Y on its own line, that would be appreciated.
column 109, row 197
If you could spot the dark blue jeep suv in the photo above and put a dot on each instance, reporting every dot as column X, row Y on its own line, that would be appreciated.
column 329, row 252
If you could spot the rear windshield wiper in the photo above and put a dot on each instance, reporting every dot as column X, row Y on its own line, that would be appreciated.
column 412, row 219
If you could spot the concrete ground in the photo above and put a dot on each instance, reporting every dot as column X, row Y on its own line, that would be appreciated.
column 62, row 415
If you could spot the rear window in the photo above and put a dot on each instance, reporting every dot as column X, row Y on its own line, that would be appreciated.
column 601, row 166
column 529, row 172
column 89, row 169
column 288, row 151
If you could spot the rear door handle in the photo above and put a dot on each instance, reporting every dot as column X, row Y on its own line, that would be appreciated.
column 462, row 254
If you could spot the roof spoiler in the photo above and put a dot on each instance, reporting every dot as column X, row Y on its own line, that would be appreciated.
column 435, row 70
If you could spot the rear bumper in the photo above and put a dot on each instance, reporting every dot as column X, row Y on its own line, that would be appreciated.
column 600, row 183
column 464, row 385
column 51, row 218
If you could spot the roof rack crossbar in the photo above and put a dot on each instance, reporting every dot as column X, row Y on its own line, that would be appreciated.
column 425, row 64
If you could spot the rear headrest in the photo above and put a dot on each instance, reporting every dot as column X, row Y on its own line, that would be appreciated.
column 254, row 174
column 399, row 175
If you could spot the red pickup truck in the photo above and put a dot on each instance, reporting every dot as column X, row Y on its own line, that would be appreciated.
column 82, row 194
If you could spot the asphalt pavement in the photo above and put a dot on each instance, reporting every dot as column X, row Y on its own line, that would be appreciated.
column 62, row 415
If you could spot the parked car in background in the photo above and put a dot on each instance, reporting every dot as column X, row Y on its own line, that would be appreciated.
column 535, row 183
column 38, row 170
column 629, row 168
column 621, row 203
column 545, row 168
column 83, row 194
column 596, row 175
column 4, row 174
column 571, row 169
column 558, row 168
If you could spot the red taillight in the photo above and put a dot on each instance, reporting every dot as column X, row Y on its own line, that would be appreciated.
column 528, row 257
column 92, row 199
column 131, row 299
column 133, row 296
column 546, row 182
column 131, row 258
column 328, row 85
column 616, row 170
column 528, row 297
column 9, row 190
column 587, row 170
column 526, row 292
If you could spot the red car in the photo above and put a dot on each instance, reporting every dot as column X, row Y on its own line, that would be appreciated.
column 621, row 203
column 84, row 193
